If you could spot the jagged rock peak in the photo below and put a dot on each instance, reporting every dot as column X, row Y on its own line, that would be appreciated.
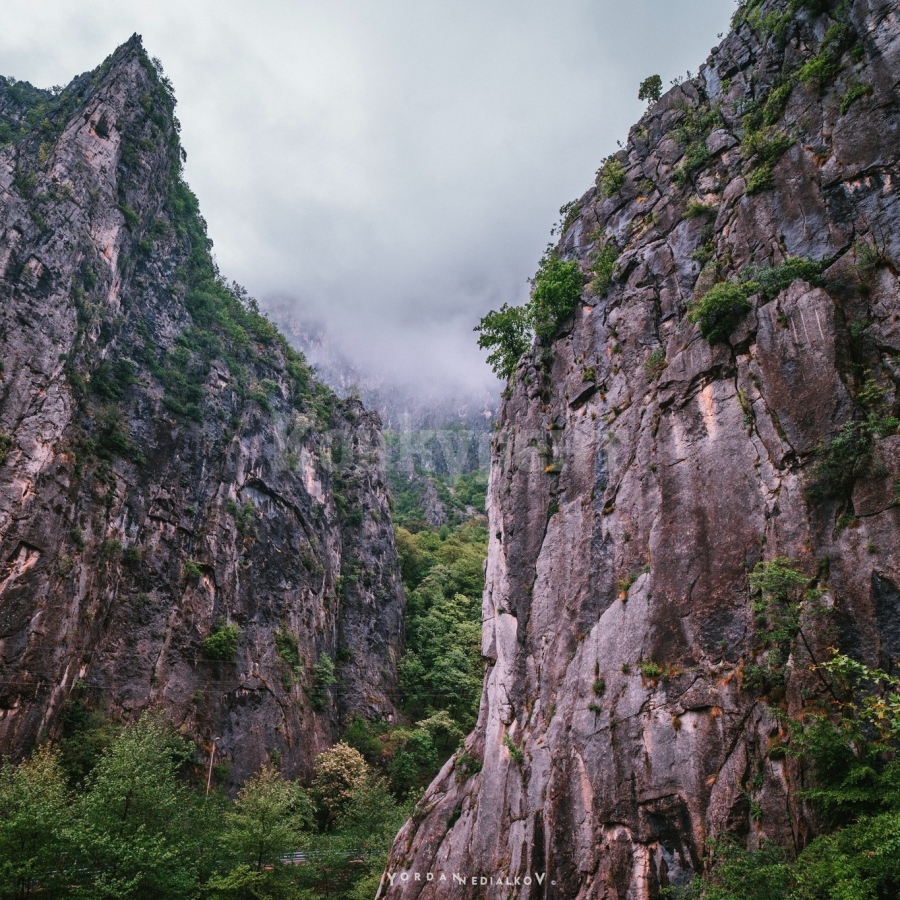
column 188, row 519
column 738, row 331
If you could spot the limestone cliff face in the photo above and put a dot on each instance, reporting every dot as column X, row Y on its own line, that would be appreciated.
column 640, row 472
column 187, row 519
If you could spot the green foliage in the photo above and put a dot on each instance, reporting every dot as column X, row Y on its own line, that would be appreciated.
column 650, row 89
column 222, row 642
column 777, row 101
column 781, row 596
column 244, row 517
column 695, row 126
column 555, row 294
column 696, row 209
column 268, row 820
column 763, row 147
column 33, row 810
column 323, row 680
column 853, row 93
column 288, row 649
column 515, row 752
column 337, row 774
column 442, row 669
column 5, row 444
column 191, row 569
column 603, row 266
column 655, row 363
column 130, row 832
column 851, row 753
column 112, row 378
column 467, row 766
column 136, row 828
column 610, row 176
column 556, row 290
column 650, row 669
column 848, row 456
column 507, row 334
column 720, row 309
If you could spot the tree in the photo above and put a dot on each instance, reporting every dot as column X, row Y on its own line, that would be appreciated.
column 507, row 333
column 650, row 89
column 555, row 293
column 270, row 818
column 132, row 832
column 338, row 772
column 33, row 801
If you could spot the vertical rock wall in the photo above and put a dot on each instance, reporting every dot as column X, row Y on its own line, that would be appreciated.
column 170, row 470
column 640, row 472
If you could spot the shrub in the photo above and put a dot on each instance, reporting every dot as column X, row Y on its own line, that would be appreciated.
column 222, row 643
column 323, row 679
column 718, row 312
column 288, row 649
column 112, row 377
column 5, row 444
column 695, row 209
column 650, row 669
column 515, row 752
column 650, row 89
column 555, row 293
column 507, row 334
column 610, row 176
column 191, row 569
column 603, row 265
column 854, row 93
column 655, row 363
column 848, row 456
column 466, row 766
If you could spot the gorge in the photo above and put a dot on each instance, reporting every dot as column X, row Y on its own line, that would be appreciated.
column 693, row 555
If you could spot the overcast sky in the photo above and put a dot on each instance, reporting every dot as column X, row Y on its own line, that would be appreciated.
column 392, row 167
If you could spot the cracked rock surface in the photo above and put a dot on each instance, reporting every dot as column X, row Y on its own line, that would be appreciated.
column 167, row 474
column 640, row 473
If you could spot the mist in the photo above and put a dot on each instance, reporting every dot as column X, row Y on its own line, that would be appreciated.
column 389, row 171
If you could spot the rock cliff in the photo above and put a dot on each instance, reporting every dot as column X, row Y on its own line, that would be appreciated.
column 642, row 470
column 188, row 519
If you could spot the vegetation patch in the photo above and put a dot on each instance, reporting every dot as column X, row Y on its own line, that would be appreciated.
column 718, row 312
column 610, row 176
column 221, row 643
column 556, row 290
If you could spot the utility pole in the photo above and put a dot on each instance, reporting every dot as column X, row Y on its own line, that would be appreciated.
column 212, row 756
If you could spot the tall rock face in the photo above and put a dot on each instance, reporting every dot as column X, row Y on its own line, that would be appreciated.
column 187, row 519
column 641, row 472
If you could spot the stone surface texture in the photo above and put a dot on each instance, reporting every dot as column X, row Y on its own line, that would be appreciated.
column 639, row 474
column 129, row 532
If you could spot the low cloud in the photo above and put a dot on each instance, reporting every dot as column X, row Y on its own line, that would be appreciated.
column 389, row 169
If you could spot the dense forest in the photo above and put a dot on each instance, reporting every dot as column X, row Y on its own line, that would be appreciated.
column 114, row 811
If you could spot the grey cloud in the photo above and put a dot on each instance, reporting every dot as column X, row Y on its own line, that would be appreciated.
column 391, row 168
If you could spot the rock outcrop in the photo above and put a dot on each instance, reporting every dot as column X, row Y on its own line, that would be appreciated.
column 188, row 519
column 641, row 472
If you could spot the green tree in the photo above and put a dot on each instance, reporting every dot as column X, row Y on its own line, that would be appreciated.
column 650, row 89
column 33, row 809
column 337, row 773
column 507, row 334
column 555, row 293
column 132, row 829
column 271, row 817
